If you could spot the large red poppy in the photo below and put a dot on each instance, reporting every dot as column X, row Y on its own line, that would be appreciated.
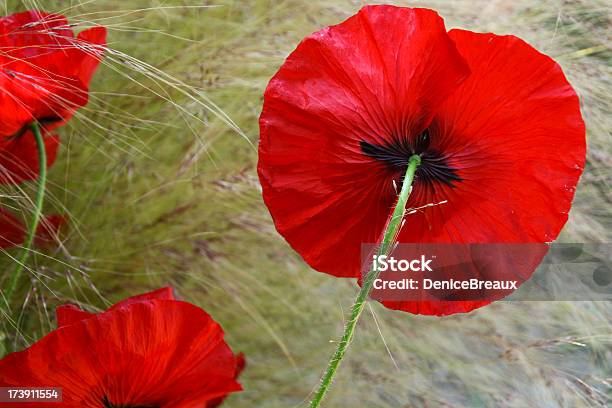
column 147, row 351
column 45, row 72
column 497, row 126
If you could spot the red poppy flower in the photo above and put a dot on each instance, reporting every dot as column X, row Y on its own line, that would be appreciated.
column 13, row 231
column 495, row 122
column 147, row 351
column 44, row 76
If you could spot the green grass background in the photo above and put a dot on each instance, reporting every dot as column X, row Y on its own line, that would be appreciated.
column 161, row 189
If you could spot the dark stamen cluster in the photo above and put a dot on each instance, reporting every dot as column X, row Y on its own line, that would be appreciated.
column 107, row 404
column 396, row 153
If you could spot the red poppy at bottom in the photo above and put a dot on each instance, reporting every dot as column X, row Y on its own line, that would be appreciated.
column 496, row 124
column 149, row 351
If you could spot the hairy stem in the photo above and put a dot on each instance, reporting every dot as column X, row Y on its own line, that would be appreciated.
column 389, row 237
column 38, row 204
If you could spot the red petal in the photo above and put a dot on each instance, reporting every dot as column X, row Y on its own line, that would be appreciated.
column 378, row 75
column 27, row 41
column 19, row 157
column 70, row 314
column 48, row 230
column 36, row 24
column 12, row 230
column 165, row 293
column 159, row 352
column 240, row 364
column 94, row 40
column 515, row 133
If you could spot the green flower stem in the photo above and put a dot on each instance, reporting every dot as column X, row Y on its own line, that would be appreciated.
column 38, row 205
column 389, row 238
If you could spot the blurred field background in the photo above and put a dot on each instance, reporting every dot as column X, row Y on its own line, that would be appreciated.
column 158, row 177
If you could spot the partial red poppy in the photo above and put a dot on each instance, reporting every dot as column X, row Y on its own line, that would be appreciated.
column 46, row 70
column 44, row 77
column 147, row 351
column 502, row 148
column 13, row 231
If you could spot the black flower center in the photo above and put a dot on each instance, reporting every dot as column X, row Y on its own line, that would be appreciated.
column 41, row 121
column 396, row 153
column 107, row 404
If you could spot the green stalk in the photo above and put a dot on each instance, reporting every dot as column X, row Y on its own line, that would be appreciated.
column 38, row 205
column 389, row 237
